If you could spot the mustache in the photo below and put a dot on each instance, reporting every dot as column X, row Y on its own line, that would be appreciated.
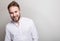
column 15, row 16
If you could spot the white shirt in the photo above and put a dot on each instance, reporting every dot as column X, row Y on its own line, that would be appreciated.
column 25, row 31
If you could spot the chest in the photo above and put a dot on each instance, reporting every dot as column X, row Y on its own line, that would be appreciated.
column 22, row 29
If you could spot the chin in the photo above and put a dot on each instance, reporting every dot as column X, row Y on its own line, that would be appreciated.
column 15, row 20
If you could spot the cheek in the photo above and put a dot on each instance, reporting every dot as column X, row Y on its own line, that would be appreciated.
column 18, row 14
column 11, row 15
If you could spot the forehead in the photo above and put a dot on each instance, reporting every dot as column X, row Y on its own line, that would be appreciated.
column 13, row 8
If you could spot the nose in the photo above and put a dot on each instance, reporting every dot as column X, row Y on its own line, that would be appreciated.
column 14, row 14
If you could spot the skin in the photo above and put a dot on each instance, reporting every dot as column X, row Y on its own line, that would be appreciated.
column 14, row 12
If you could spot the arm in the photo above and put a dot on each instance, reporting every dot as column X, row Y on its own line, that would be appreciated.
column 7, row 36
column 34, row 32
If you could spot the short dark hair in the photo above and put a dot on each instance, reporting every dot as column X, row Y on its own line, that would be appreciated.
column 13, row 3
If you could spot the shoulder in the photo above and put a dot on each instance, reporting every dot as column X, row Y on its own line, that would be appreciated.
column 27, row 19
column 8, row 25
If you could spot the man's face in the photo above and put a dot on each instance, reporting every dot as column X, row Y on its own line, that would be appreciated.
column 14, row 13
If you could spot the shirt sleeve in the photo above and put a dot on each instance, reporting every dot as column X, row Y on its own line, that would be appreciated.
column 7, row 35
column 34, row 32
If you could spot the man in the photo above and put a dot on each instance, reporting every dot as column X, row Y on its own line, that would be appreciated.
column 20, row 28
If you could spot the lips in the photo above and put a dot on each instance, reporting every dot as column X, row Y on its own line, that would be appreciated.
column 15, row 18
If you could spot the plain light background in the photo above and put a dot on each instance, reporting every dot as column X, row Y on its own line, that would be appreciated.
column 45, row 14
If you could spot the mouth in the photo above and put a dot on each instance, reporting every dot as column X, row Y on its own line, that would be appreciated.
column 15, row 18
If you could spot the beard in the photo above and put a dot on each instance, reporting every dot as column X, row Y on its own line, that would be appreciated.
column 15, row 18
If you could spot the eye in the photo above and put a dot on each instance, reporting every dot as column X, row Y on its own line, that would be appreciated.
column 15, row 11
column 11, row 12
